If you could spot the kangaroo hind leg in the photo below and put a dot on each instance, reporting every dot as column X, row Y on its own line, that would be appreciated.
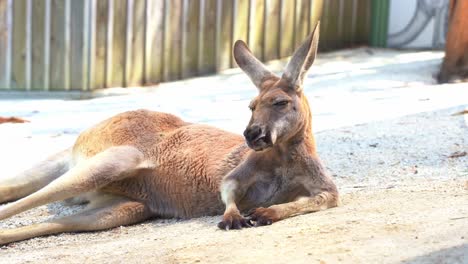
column 116, row 211
column 35, row 178
column 111, row 165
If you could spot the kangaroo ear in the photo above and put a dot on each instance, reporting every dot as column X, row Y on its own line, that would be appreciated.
column 302, row 59
column 255, row 69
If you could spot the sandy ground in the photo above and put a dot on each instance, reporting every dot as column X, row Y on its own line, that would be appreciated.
column 389, row 147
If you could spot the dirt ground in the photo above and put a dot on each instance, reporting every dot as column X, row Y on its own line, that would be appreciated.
column 404, row 200
column 414, row 223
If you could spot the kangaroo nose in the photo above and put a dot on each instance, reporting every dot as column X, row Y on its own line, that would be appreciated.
column 252, row 132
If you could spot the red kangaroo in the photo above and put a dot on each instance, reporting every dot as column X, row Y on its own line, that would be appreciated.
column 142, row 164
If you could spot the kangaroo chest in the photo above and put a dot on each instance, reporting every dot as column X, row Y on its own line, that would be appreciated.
column 278, row 186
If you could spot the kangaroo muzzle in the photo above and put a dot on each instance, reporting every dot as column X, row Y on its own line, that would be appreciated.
column 257, row 137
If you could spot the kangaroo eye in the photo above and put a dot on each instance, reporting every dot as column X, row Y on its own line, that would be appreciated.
column 280, row 103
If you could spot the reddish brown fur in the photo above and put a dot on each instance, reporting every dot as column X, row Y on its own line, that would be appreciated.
column 143, row 164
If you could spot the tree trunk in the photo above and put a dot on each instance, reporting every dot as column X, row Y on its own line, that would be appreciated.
column 455, row 64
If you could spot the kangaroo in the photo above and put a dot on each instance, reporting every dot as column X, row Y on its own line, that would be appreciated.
column 142, row 164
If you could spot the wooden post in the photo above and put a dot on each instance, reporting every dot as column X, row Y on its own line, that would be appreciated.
column 455, row 64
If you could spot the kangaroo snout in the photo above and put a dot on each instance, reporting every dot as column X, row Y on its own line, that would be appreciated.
column 257, row 137
column 253, row 132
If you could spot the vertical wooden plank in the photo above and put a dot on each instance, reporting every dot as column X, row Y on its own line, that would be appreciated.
column 110, row 42
column 272, row 25
column 77, row 31
column 98, row 56
column 316, row 14
column 154, row 41
column 190, row 38
column 57, row 45
column 67, row 40
column 353, row 19
column 224, row 38
column 302, row 21
column 92, row 5
column 47, row 40
column 38, row 42
column 240, row 24
column 287, row 28
column 332, row 24
column 207, row 48
column 19, row 45
column 137, row 45
column 128, row 43
column 118, row 47
column 257, row 28
column 340, row 22
column 241, row 20
column 324, row 28
column 173, row 40
column 362, row 21
column 4, row 44
column 28, row 58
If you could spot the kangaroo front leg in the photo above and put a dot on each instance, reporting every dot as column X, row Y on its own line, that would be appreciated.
column 231, row 190
column 110, row 165
column 267, row 216
column 115, row 212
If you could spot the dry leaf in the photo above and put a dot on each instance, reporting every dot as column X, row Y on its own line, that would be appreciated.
column 464, row 112
column 12, row 120
column 457, row 154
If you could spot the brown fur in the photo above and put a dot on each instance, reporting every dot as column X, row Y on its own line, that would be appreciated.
column 143, row 164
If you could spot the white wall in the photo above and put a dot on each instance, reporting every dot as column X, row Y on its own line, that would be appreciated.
column 422, row 33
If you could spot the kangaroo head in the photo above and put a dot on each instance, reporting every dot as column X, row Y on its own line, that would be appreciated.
column 280, row 112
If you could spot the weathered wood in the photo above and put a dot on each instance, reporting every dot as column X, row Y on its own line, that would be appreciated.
column 272, row 25
column 455, row 64
column 135, row 67
column 257, row 28
column 332, row 24
column 339, row 22
column 207, row 40
column 97, row 77
column 363, row 21
column 173, row 40
column 118, row 48
column 37, row 45
column 162, row 40
column 191, row 23
column 316, row 15
column 47, row 40
column 57, row 46
column 324, row 32
column 287, row 28
column 302, row 21
column 154, row 41
column 348, row 24
column 4, row 43
column 316, row 11
column 19, row 45
column 67, row 38
column 28, row 44
column 225, row 34
column 241, row 23
column 77, row 31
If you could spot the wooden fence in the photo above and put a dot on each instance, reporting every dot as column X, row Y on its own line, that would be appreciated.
column 91, row 44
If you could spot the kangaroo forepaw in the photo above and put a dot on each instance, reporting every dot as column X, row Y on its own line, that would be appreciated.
column 262, row 216
column 233, row 221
